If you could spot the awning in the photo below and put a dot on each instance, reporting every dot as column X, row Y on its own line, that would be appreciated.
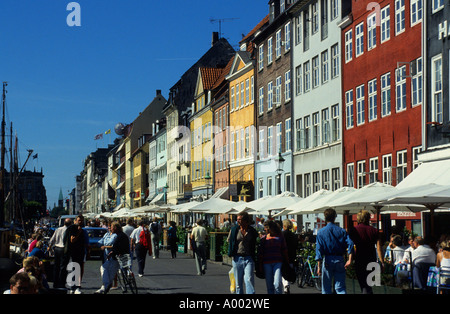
column 220, row 192
column 437, row 172
column 120, row 185
column 157, row 198
column 150, row 197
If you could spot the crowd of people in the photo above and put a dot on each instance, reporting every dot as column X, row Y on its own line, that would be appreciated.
column 265, row 249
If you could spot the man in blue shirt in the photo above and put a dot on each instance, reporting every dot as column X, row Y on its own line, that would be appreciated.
column 332, row 242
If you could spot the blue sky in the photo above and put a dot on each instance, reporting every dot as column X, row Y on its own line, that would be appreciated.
column 67, row 84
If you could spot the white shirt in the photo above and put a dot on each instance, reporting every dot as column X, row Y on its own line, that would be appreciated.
column 58, row 237
column 135, row 234
column 424, row 254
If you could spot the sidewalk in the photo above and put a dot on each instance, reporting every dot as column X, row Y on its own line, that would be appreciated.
column 177, row 276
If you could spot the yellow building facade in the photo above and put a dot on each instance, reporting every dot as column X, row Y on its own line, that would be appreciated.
column 242, row 127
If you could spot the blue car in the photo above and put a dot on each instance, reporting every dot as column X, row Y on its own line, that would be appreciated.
column 95, row 234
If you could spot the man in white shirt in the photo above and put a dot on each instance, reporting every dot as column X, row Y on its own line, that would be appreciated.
column 57, row 244
column 199, row 235
column 423, row 257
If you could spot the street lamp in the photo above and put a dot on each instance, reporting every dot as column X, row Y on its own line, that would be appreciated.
column 280, row 162
column 207, row 178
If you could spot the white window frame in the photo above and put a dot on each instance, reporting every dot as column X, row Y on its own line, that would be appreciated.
column 385, row 94
column 278, row 44
column 436, row 89
column 269, row 96
column 335, row 124
column 416, row 9
column 402, row 165
column 307, row 76
column 385, row 29
column 269, row 51
column 351, row 174
column 315, row 129
column 359, row 39
column 335, row 61
column 287, row 86
column 373, row 170
column 325, row 66
column 348, row 46
column 287, row 37
column 387, row 169
column 372, row 93
column 349, row 109
column 261, row 101
column 416, row 82
column 298, row 80
column 400, row 89
column 277, row 94
column 288, row 135
column 360, row 105
column 261, row 58
column 371, row 31
column 361, row 167
column 315, row 72
column 399, row 16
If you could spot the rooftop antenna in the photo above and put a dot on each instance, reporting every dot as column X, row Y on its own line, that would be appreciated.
column 212, row 20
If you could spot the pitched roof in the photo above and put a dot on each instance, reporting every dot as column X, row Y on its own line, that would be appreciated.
column 209, row 76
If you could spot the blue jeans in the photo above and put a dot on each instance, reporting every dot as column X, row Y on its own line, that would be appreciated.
column 108, row 271
column 333, row 268
column 274, row 282
column 244, row 270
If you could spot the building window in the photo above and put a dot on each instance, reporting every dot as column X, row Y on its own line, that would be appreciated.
column 335, row 123
column 247, row 91
column 247, row 141
column 232, row 98
column 437, row 5
column 288, row 134
column 287, row 37
column 372, row 85
column 278, row 138
column 315, row 71
column 335, row 179
column 307, row 132
column 306, row 21
column 324, row 18
column 287, row 182
column 371, row 32
column 287, row 86
column 298, row 80
column 315, row 17
column 261, row 187
column 269, row 141
column 359, row 38
column 252, row 88
column 416, row 12
column 415, row 154
column 387, row 169
column 400, row 88
column 386, row 94
column 269, row 51
column 316, row 129
column 261, row 101
column 334, row 9
column 307, row 76
column 307, row 184
column 349, row 108
column 348, row 46
column 325, row 66
column 436, row 89
column 399, row 16
column 360, row 105
column 298, row 134
column 401, row 166
column 325, row 126
column 277, row 100
column 261, row 144
column 269, row 186
column 373, row 171
column 270, row 96
column 316, row 181
column 242, row 94
column 351, row 175
column 261, row 58
column 385, row 24
column 361, row 173
column 298, row 30
column 326, row 179
column 278, row 44
column 416, row 82
column 335, row 61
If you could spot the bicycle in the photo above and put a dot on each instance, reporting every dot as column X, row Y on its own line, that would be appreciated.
column 126, row 275
column 309, row 275
column 299, row 266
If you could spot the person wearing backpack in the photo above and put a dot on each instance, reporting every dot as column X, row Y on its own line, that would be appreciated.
column 155, row 229
column 141, row 242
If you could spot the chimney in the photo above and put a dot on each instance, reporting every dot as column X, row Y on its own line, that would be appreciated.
column 215, row 38
column 158, row 92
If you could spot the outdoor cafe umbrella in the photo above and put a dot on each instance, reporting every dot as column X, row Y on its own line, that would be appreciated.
column 267, row 205
column 293, row 208
column 182, row 208
column 213, row 206
column 430, row 195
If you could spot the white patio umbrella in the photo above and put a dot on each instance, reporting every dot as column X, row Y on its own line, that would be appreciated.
column 268, row 205
column 430, row 195
column 292, row 209
column 323, row 202
column 213, row 206
column 183, row 208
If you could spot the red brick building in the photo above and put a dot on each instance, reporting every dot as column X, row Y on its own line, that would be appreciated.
column 382, row 90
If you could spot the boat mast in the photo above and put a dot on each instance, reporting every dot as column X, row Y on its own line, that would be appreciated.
column 2, row 165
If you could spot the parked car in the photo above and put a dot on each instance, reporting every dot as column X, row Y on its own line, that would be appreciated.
column 95, row 234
